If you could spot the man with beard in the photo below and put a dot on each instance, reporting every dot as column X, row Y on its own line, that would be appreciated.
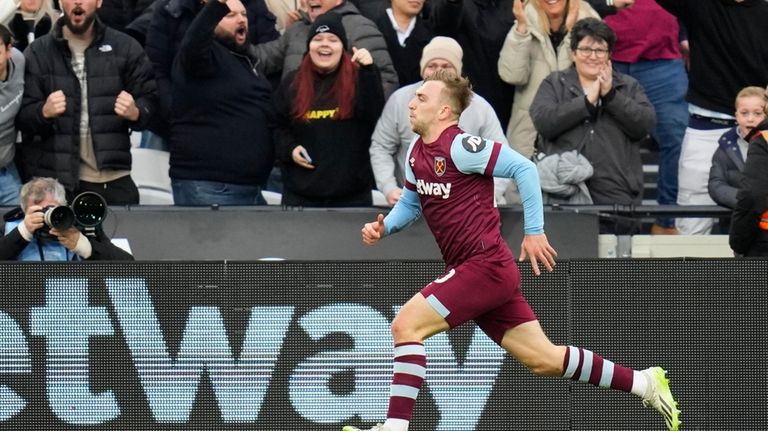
column 221, row 138
column 86, row 87
column 169, row 21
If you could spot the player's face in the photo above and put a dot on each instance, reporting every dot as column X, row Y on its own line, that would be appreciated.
column 426, row 105
column 234, row 25
column 79, row 14
column 750, row 111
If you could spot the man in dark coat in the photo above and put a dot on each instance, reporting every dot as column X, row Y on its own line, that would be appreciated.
column 168, row 24
column 749, row 222
column 221, row 121
column 86, row 87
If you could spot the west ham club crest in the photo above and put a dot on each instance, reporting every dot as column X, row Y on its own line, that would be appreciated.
column 439, row 166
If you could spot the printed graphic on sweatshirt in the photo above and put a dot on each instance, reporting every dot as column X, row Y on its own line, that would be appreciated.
column 321, row 114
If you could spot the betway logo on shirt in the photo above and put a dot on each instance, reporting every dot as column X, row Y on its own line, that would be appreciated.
column 433, row 189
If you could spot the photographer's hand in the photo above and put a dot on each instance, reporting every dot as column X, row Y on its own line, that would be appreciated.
column 68, row 237
column 33, row 219
column 74, row 241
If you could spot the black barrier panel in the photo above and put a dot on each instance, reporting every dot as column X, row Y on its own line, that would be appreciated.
column 306, row 346
column 706, row 321
column 253, row 233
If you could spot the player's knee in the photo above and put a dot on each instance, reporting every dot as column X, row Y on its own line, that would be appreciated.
column 406, row 330
column 401, row 330
column 545, row 366
column 544, row 369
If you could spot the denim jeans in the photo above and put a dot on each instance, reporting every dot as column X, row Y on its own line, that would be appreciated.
column 665, row 83
column 204, row 193
column 10, row 184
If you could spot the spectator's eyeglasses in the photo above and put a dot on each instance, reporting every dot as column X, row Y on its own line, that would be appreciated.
column 587, row 52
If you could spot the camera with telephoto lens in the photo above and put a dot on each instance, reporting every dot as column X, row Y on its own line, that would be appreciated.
column 58, row 217
column 88, row 210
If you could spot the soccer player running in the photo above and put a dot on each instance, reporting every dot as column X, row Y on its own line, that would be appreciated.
column 449, row 178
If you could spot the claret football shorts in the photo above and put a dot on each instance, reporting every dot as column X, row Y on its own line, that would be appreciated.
column 486, row 292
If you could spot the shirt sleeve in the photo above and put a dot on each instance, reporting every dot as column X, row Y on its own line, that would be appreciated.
column 408, row 208
column 406, row 211
column 511, row 164
column 410, row 178
column 475, row 155
column 83, row 247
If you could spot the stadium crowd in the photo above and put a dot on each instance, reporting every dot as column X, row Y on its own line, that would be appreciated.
column 310, row 99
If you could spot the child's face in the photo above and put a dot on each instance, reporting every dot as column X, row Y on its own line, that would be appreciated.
column 750, row 111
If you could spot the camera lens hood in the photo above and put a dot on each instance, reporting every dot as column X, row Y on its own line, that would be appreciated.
column 59, row 217
column 89, row 208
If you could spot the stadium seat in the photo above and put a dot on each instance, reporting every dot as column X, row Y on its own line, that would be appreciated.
column 149, row 171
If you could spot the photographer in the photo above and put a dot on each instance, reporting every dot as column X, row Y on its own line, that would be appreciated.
column 28, row 237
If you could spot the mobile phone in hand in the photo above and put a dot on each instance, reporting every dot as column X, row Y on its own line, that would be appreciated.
column 303, row 153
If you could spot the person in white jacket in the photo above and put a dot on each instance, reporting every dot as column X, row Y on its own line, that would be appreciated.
column 393, row 133
column 538, row 44
column 27, row 19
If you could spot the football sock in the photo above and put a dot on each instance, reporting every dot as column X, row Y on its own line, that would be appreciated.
column 410, row 369
column 585, row 366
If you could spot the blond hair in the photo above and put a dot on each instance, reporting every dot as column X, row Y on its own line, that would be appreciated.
column 753, row 91
column 46, row 8
column 457, row 91
column 544, row 23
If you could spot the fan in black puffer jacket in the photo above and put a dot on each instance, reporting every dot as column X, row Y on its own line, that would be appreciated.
column 749, row 223
column 115, row 63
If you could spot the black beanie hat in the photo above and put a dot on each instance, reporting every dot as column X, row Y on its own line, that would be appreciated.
column 328, row 22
